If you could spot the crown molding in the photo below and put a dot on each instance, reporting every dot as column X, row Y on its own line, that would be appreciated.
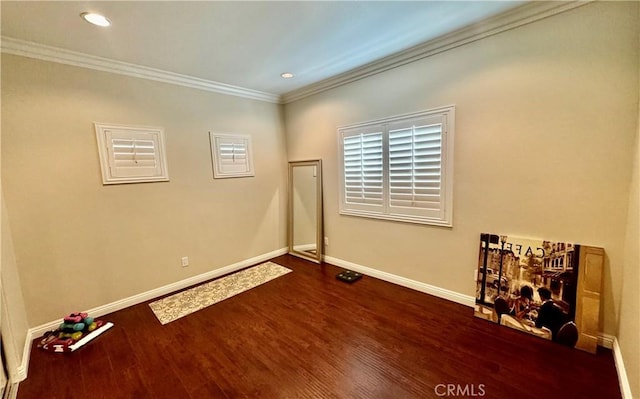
column 55, row 54
column 523, row 15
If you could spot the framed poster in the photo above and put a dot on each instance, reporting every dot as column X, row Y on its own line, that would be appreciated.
column 545, row 288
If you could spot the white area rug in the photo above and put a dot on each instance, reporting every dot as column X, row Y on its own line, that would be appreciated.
column 186, row 302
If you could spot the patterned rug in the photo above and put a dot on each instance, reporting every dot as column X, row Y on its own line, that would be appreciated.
column 186, row 302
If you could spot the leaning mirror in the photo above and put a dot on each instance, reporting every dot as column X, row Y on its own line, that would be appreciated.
column 305, row 209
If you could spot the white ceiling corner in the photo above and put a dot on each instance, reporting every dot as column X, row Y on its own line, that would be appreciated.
column 523, row 15
column 246, row 46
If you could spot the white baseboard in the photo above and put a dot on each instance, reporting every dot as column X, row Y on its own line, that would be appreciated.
column 604, row 340
column 623, row 380
column 453, row 296
column 38, row 331
column 21, row 375
column 11, row 392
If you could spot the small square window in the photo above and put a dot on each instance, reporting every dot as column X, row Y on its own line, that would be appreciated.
column 232, row 155
column 131, row 154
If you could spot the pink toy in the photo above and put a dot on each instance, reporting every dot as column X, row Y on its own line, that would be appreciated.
column 75, row 317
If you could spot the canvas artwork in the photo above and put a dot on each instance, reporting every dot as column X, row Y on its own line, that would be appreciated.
column 545, row 288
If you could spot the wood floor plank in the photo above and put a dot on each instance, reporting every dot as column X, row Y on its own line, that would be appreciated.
column 308, row 335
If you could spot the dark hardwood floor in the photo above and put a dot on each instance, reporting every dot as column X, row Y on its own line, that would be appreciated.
column 307, row 335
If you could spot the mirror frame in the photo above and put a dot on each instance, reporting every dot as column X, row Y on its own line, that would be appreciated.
column 319, row 212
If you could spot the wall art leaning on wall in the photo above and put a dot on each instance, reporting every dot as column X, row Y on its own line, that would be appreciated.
column 545, row 288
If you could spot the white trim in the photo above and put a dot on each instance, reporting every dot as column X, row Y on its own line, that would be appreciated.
column 23, row 369
column 55, row 54
column 383, row 208
column 605, row 340
column 408, row 115
column 219, row 170
column 38, row 331
column 443, row 293
column 145, row 296
column 15, row 372
column 11, row 391
column 623, row 380
column 523, row 15
column 111, row 173
column 467, row 300
column 398, row 218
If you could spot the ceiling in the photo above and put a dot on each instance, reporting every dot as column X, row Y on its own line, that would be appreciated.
column 245, row 44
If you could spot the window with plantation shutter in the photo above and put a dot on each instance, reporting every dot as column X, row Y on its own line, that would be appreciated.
column 363, row 183
column 399, row 168
column 415, row 162
column 131, row 154
column 232, row 155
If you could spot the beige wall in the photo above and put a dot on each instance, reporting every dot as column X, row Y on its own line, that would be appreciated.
column 80, row 244
column 13, row 321
column 545, row 120
column 629, row 327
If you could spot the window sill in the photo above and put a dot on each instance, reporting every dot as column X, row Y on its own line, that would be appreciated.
column 398, row 218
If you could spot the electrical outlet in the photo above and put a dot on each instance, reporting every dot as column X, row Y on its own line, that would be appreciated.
column 185, row 261
column 326, row 241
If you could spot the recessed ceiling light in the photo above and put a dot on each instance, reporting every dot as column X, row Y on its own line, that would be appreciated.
column 95, row 19
column 287, row 75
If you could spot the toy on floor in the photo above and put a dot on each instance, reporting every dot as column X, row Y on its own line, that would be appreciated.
column 76, row 330
column 348, row 276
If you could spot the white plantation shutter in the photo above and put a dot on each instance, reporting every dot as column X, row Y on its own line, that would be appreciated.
column 131, row 154
column 231, row 155
column 363, row 169
column 399, row 168
column 415, row 164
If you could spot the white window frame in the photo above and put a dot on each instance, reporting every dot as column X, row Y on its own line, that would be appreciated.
column 222, row 168
column 442, row 215
column 119, row 171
